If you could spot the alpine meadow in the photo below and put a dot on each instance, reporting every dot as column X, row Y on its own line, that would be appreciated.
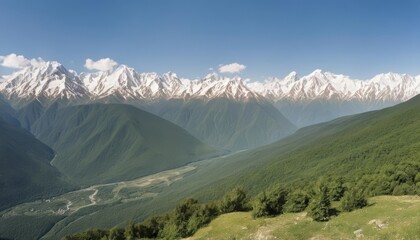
column 209, row 120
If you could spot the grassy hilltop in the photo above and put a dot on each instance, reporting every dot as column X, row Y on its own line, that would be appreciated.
column 388, row 217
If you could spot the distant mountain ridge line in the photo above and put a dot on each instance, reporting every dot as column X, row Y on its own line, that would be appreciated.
column 53, row 81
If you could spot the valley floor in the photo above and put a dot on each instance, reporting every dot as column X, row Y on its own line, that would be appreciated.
column 59, row 208
column 387, row 217
column 54, row 215
column 108, row 193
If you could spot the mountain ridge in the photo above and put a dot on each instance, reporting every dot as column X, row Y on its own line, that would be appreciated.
column 52, row 80
column 25, row 167
column 99, row 143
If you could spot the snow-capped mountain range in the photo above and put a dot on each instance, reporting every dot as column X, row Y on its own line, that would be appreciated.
column 53, row 81
column 326, row 85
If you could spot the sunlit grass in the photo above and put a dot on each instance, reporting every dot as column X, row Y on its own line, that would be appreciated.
column 387, row 217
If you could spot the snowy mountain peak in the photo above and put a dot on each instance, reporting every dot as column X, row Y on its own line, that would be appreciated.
column 49, row 80
column 170, row 75
column 47, row 65
column 171, row 78
column 45, row 68
column 292, row 76
column 319, row 74
column 212, row 77
column 237, row 79
column 389, row 77
column 316, row 72
column 122, row 69
column 215, row 86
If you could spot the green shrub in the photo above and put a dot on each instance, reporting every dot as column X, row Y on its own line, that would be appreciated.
column 203, row 215
column 130, row 232
column 319, row 207
column 116, row 234
column 233, row 201
column 260, row 206
column 336, row 188
column 152, row 226
column 184, row 221
column 353, row 199
column 270, row 202
column 297, row 201
column 404, row 189
column 91, row 234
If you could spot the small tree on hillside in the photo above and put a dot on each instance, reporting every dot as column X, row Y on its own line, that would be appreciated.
column 233, row 201
column 152, row 227
column 260, row 206
column 320, row 206
column 270, row 202
column 130, row 232
column 353, row 199
column 297, row 201
column 336, row 188
column 116, row 234
column 203, row 215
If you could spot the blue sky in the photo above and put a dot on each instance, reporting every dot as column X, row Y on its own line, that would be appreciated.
column 359, row 38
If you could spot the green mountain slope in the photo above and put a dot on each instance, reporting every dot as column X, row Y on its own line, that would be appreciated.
column 226, row 123
column 7, row 113
column 309, row 112
column 30, row 113
column 104, row 143
column 346, row 146
column 25, row 170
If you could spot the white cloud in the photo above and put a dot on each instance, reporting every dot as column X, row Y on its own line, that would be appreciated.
column 14, row 61
column 104, row 64
column 19, row 61
column 231, row 68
